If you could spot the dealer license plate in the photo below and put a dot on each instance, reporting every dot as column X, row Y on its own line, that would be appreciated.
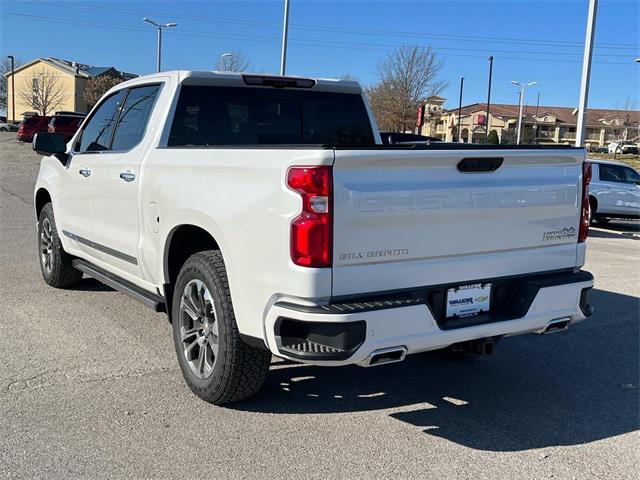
column 468, row 300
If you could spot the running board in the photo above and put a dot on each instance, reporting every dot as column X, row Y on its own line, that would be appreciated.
column 151, row 300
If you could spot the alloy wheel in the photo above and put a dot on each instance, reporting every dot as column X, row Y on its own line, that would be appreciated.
column 198, row 328
column 46, row 246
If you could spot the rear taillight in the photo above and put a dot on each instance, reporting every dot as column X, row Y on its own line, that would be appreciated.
column 311, row 231
column 584, row 211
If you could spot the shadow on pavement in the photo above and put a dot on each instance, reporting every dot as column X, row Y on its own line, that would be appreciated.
column 535, row 391
column 89, row 284
column 616, row 229
column 623, row 235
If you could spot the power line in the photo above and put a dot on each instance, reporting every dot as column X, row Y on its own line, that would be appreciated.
column 307, row 42
column 360, row 31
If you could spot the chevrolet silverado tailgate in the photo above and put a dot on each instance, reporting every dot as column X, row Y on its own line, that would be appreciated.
column 409, row 218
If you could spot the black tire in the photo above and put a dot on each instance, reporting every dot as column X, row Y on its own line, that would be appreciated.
column 55, row 263
column 238, row 370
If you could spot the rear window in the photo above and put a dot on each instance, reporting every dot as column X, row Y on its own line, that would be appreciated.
column 60, row 121
column 31, row 120
column 264, row 116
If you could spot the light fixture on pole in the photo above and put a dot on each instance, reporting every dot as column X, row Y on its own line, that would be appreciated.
column 13, row 89
column 285, row 32
column 221, row 65
column 522, row 86
column 159, row 26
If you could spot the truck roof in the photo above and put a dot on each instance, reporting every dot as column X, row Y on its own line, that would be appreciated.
column 236, row 79
column 607, row 162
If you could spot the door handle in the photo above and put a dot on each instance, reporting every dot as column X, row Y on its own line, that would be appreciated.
column 128, row 176
column 85, row 172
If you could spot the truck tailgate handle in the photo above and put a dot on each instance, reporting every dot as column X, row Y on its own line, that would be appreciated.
column 480, row 164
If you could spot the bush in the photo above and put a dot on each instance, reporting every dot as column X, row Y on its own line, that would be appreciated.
column 493, row 139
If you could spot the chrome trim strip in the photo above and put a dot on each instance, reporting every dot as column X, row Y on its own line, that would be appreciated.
column 102, row 248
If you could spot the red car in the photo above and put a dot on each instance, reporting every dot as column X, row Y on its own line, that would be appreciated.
column 32, row 125
column 65, row 124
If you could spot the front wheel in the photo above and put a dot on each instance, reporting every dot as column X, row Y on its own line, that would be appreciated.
column 55, row 263
column 216, row 363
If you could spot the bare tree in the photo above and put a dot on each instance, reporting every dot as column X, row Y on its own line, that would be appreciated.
column 44, row 93
column 97, row 86
column 236, row 62
column 5, row 67
column 622, row 124
column 406, row 77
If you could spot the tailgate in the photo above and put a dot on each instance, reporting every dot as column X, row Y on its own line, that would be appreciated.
column 411, row 218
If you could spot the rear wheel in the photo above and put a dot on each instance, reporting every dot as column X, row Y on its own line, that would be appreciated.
column 216, row 363
column 55, row 263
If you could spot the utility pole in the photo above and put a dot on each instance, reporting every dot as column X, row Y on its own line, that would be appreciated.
column 13, row 89
column 488, row 121
column 159, row 26
column 522, row 86
column 535, row 125
column 460, row 110
column 285, row 32
column 586, row 72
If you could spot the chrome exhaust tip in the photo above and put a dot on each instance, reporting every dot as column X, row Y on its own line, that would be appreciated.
column 556, row 325
column 384, row 356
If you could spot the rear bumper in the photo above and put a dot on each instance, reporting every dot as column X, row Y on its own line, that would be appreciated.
column 348, row 333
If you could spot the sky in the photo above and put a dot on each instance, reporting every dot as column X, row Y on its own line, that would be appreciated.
column 538, row 41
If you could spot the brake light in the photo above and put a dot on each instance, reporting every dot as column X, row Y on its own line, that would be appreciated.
column 584, row 210
column 312, row 230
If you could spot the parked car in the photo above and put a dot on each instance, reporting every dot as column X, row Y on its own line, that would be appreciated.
column 264, row 215
column 7, row 127
column 65, row 124
column 395, row 138
column 32, row 125
column 623, row 147
column 614, row 191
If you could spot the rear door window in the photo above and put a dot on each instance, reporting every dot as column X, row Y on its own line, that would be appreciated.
column 631, row 175
column 134, row 117
column 209, row 116
column 612, row 173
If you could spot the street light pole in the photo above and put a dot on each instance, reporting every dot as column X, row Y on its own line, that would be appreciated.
column 159, row 26
column 486, row 137
column 221, row 65
column 460, row 110
column 13, row 89
column 522, row 86
column 586, row 72
column 535, row 125
column 285, row 32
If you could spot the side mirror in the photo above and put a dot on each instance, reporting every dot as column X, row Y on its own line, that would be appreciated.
column 49, row 144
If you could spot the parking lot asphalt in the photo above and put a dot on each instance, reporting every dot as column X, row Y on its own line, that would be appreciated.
column 90, row 388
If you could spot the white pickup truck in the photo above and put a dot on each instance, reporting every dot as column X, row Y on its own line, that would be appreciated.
column 264, row 216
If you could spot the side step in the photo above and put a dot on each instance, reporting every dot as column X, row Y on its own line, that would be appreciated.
column 151, row 300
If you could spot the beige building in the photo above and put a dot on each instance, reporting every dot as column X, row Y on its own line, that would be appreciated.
column 64, row 80
column 541, row 125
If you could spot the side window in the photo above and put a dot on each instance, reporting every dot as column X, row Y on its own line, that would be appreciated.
column 134, row 117
column 632, row 176
column 611, row 173
column 96, row 135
